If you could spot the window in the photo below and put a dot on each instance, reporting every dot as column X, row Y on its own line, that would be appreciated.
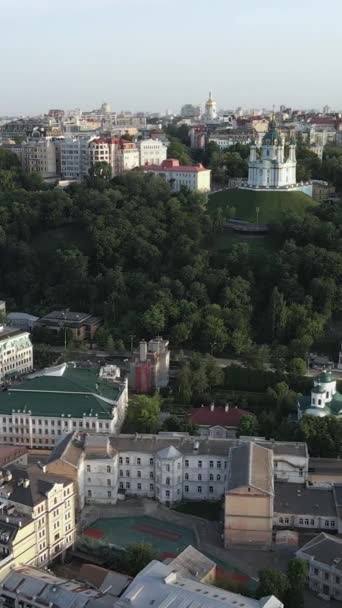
column 186, row 488
column 138, row 460
column 121, row 473
column 199, row 477
column 151, row 474
column 127, row 473
column 218, row 477
column 139, row 474
column 332, row 524
column 151, row 487
column 316, row 571
column 312, row 522
column 326, row 523
column 128, row 485
column 281, row 521
column 120, row 460
column 326, row 576
column 186, row 476
column 218, row 464
column 199, row 464
column 151, row 462
column 127, row 459
column 306, row 522
column 211, row 477
column 211, row 490
column 109, row 494
column 139, row 486
column 109, row 483
column 199, row 489
column 88, row 468
column 167, row 493
column 211, row 464
column 300, row 521
column 168, row 468
column 186, row 463
column 167, row 481
column 121, row 485
column 337, row 580
column 89, row 493
column 108, row 469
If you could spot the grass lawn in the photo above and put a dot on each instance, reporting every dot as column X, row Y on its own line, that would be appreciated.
column 271, row 205
column 207, row 510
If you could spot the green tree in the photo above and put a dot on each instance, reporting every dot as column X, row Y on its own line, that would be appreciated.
column 297, row 573
column 248, row 426
column 101, row 170
column 136, row 557
column 214, row 373
column 154, row 320
column 272, row 582
column 180, row 152
column 143, row 414
column 297, row 367
column 184, row 384
column 277, row 315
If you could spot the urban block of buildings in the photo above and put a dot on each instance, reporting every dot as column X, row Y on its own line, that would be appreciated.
column 150, row 366
column 16, row 352
column 168, row 467
column 196, row 178
column 38, row 411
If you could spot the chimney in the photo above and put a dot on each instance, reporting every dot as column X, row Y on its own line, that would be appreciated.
column 226, row 407
column 212, row 407
column 143, row 350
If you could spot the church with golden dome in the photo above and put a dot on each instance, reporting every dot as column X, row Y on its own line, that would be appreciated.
column 210, row 108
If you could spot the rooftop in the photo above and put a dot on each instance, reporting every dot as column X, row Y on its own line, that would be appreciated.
column 28, row 485
column 218, row 416
column 159, row 585
column 191, row 563
column 172, row 165
column 60, row 317
column 303, row 500
column 78, row 392
column 251, row 465
column 8, row 453
column 325, row 549
column 10, row 332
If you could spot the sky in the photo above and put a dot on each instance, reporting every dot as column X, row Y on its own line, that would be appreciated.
column 153, row 55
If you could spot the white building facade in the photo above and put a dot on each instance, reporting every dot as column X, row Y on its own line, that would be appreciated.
column 196, row 178
column 151, row 152
column 16, row 352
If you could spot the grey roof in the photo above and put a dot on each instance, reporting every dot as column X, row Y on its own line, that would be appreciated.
column 69, row 449
column 169, row 453
column 298, row 499
column 325, row 549
column 39, row 484
column 10, row 332
column 155, row 443
column 61, row 317
column 191, row 563
column 251, row 465
column 26, row 582
column 159, row 585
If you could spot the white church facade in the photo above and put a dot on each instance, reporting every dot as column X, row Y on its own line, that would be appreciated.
column 269, row 169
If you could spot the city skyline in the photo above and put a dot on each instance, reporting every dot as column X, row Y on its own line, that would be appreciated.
column 140, row 55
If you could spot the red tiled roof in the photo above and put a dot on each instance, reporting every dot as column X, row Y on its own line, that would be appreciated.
column 175, row 166
column 322, row 121
column 204, row 416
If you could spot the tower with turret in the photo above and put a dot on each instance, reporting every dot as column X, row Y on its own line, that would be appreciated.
column 269, row 169
column 210, row 108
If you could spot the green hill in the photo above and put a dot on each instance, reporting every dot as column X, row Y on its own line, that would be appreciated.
column 271, row 205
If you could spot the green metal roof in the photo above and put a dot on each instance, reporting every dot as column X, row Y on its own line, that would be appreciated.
column 325, row 377
column 77, row 393
column 318, row 389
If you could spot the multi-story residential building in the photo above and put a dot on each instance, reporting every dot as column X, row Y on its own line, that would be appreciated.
column 82, row 325
column 249, row 484
column 121, row 155
column 39, row 156
column 198, row 137
column 229, row 137
column 159, row 584
column 151, row 152
column 168, row 467
column 324, row 556
column 74, row 157
column 16, row 352
column 55, row 401
column 196, row 178
column 127, row 157
column 37, row 520
column 150, row 365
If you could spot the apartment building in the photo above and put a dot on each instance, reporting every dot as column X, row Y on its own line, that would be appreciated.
column 150, row 366
column 74, row 157
column 121, row 155
column 324, row 556
column 151, row 152
column 40, row 156
column 196, row 178
column 127, row 157
column 168, row 467
column 37, row 516
column 16, row 352
column 230, row 137
column 37, row 412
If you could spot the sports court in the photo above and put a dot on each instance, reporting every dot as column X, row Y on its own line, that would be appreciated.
column 167, row 539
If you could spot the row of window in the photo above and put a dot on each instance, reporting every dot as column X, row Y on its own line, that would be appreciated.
column 327, row 575
column 308, row 522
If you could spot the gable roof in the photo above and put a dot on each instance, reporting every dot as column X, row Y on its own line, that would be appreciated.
column 205, row 416
column 326, row 549
column 191, row 563
column 251, row 465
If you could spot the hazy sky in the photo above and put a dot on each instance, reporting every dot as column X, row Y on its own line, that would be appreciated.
column 158, row 54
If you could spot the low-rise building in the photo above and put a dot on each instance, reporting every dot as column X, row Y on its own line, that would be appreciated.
column 248, row 509
column 217, row 421
column 168, row 467
column 29, row 586
column 22, row 320
column 196, row 178
column 82, row 325
column 150, row 366
column 37, row 412
column 37, row 520
column 324, row 557
column 160, row 585
column 16, row 352
column 321, row 190
column 307, row 507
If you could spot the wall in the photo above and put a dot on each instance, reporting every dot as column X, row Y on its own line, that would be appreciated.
column 248, row 518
